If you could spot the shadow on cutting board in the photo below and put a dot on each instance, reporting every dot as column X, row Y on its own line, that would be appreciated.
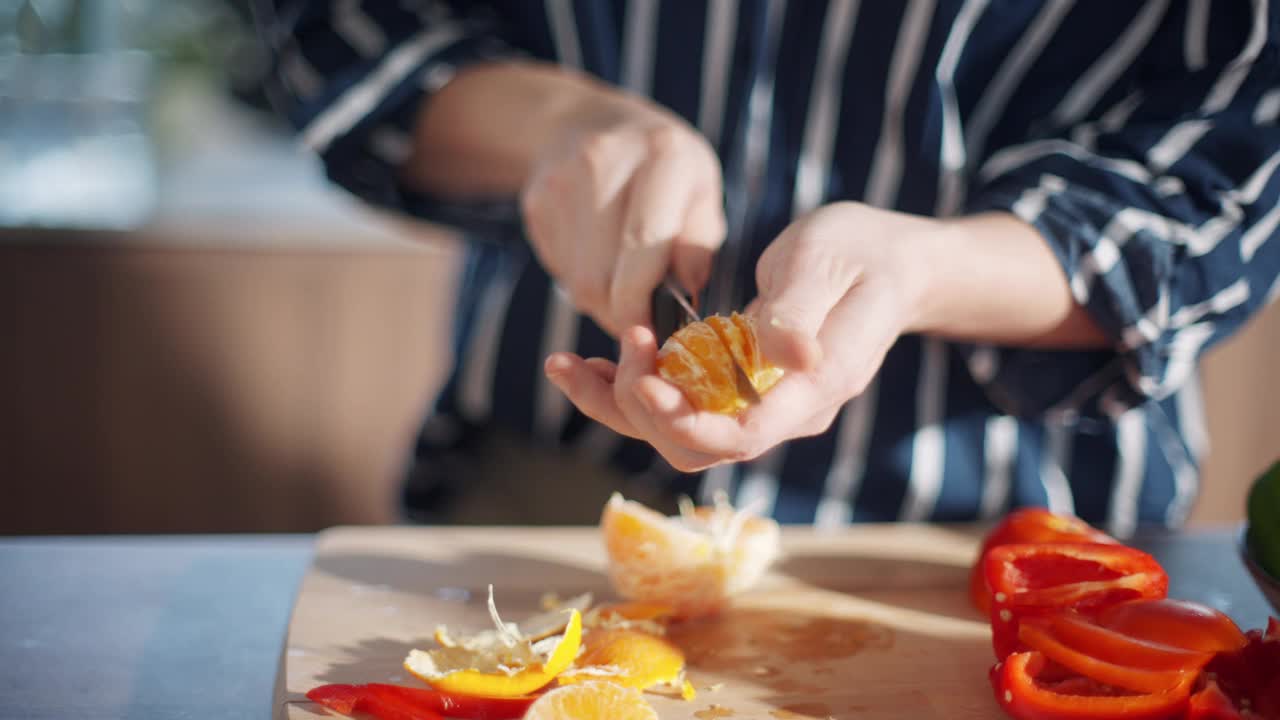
column 470, row 573
column 921, row 585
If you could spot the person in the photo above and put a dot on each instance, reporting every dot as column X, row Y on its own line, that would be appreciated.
column 987, row 241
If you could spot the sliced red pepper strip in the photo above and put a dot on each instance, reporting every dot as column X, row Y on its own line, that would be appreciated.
column 460, row 706
column 1250, row 676
column 1211, row 704
column 1080, row 633
column 338, row 698
column 1036, row 635
column 1180, row 623
column 397, row 702
column 1043, row 580
column 391, row 706
column 1025, row 698
column 1029, row 525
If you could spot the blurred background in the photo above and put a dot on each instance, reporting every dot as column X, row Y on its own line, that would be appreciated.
column 198, row 334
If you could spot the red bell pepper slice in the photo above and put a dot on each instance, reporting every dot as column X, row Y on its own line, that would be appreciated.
column 1043, row 580
column 353, row 699
column 396, row 702
column 1249, row 677
column 1037, row 635
column 1179, row 623
column 1080, row 633
column 338, row 698
column 1025, row 693
column 1029, row 526
column 1211, row 704
column 454, row 705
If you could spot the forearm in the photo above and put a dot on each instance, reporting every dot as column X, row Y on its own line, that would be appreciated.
column 481, row 134
column 993, row 278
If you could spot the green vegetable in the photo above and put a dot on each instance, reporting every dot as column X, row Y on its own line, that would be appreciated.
column 1264, row 520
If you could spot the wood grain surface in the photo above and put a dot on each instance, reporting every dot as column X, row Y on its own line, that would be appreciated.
column 872, row 622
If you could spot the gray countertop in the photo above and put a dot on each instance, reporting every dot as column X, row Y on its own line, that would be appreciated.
column 192, row 627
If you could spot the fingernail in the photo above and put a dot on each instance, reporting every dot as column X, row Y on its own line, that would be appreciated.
column 556, row 366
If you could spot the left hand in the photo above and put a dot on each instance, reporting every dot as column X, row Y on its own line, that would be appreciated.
column 837, row 288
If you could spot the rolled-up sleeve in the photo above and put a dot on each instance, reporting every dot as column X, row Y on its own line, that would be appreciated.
column 1165, row 225
column 352, row 76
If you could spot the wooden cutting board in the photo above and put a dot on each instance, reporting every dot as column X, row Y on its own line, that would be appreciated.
column 871, row 622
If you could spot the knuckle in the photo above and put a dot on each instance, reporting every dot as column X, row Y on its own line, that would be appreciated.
column 637, row 233
column 682, row 464
column 596, row 152
column 823, row 422
column 531, row 206
column 590, row 292
column 745, row 454
column 664, row 138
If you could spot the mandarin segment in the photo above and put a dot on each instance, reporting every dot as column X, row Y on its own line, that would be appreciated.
column 594, row 700
column 700, row 357
column 763, row 374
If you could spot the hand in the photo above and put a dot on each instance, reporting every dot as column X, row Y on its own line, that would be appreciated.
column 837, row 288
column 625, row 193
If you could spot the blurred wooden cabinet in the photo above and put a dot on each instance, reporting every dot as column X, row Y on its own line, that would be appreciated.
column 148, row 385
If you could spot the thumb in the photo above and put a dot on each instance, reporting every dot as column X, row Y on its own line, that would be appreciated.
column 796, row 295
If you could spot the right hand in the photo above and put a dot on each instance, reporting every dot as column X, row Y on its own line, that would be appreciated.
column 622, row 196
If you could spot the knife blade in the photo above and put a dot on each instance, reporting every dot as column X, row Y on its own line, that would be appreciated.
column 672, row 310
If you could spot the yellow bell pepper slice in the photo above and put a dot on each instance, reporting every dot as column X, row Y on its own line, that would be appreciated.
column 529, row 680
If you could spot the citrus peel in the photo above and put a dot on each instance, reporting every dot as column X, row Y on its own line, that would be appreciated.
column 528, row 666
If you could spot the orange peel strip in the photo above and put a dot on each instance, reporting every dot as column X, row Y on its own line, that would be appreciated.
column 524, row 682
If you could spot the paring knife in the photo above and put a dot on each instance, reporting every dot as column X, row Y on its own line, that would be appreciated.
column 672, row 310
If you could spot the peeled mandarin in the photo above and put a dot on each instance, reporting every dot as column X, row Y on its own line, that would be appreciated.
column 699, row 359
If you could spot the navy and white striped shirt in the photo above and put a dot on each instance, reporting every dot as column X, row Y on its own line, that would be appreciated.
column 1140, row 138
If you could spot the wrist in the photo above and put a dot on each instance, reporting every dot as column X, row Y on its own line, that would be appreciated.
column 931, row 257
column 993, row 278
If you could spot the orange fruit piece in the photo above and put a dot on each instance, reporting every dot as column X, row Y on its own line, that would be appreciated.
column 641, row 660
column 699, row 359
column 594, row 700
column 693, row 562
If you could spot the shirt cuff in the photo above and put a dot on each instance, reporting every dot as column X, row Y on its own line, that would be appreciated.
column 364, row 134
column 1070, row 384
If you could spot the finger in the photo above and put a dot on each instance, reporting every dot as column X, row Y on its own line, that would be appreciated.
column 799, row 281
column 637, row 358
column 657, row 204
column 587, row 390
column 635, row 365
column 601, row 175
column 542, row 218
column 703, row 234
column 662, row 411
column 858, row 332
column 678, row 423
column 606, row 369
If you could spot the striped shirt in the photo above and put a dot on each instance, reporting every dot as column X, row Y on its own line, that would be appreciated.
column 1139, row 138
